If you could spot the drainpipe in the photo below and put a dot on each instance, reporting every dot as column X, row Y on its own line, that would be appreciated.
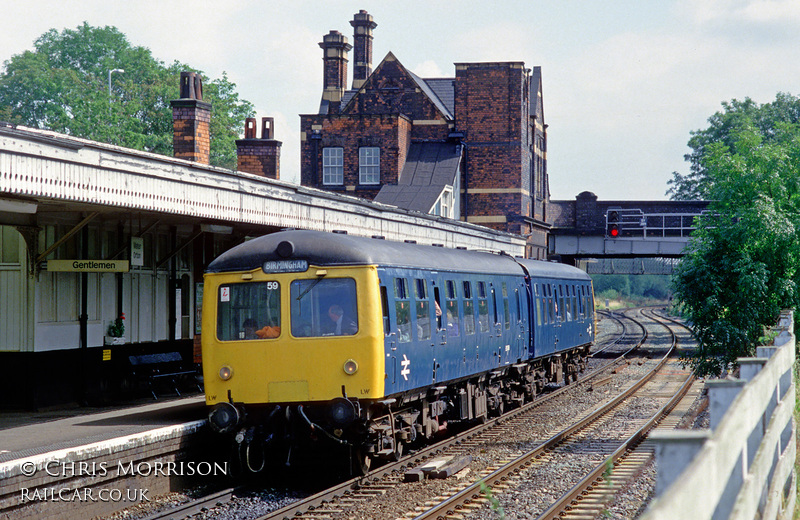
column 316, row 137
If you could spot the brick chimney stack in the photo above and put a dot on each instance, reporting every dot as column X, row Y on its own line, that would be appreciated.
column 363, row 25
column 335, row 48
column 259, row 156
column 191, row 117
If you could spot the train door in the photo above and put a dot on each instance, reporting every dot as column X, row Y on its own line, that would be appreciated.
column 425, row 330
column 545, row 320
column 519, row 323
column 470, row 342
column 498, row 307
column 400, row 366
column 559, row 315
column 509, row 323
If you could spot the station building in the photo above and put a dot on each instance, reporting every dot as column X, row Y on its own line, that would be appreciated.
column 92, row 232
column 470, row 147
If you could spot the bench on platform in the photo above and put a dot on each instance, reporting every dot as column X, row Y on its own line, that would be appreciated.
column 166, row 366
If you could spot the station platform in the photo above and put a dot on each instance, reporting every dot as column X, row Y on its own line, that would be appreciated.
column 24, row 434
column 73, row 464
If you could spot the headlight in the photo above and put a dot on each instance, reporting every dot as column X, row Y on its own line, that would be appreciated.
column 225, row 372
column 350, row 367
column 224, row 417
column 341, row 412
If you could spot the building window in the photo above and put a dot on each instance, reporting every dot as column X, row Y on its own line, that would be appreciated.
column 369, row 165
column 332, row 166
column 444, row 205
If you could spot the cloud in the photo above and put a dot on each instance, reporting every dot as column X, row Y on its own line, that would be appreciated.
column 430, row 69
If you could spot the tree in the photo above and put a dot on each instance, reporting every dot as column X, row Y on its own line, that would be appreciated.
column 723, row 127
column 743, row 262
column 63, row 85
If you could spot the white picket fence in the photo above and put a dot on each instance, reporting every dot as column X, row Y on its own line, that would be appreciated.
column 743, row 468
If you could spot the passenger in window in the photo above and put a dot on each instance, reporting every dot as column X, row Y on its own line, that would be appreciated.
column 249, row 328
column 269, row 331
column 341, row 325
column 452, row 324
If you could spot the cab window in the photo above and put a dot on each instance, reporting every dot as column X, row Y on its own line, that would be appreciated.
column 248, row 311
column 323, row 307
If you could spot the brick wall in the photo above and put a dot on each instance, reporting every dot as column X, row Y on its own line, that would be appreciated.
column 259, row 157
column 491, row 110
column 391, row 133
column 191, row 139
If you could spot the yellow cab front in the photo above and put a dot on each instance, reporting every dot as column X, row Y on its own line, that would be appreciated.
column 292, row 337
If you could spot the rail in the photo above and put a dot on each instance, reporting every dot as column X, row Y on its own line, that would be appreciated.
column 743, row 467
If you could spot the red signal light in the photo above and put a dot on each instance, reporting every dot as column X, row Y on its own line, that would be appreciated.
column 613, row 230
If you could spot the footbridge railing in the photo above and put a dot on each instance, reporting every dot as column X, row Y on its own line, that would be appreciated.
column 743, row 467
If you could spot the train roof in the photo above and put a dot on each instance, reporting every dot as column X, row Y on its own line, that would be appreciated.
column 332, row 249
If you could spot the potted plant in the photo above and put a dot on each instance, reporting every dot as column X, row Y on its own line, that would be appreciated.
column 116, row 331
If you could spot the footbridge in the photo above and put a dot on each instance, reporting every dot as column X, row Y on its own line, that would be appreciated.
column 622, row 237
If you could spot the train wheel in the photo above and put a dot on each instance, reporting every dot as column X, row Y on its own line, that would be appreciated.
column 397, row 454
column 360, row 461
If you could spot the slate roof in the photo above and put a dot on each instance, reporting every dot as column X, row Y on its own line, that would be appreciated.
column 429, row 168
column 445, row 90
column 432, row 95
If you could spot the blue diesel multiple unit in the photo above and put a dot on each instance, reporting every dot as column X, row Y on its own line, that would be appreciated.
column 312, row 338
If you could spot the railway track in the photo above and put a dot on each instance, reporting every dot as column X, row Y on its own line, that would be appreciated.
column 345, row 499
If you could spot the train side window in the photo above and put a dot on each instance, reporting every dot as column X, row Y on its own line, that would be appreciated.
column 440, row 324
column 423, row 308
column 385, row 311
column 453, row 321
column 469, row 317
column 248, row 311
column 546, row 313
column 494, row 306
column 420, row 289
column 519, row 305
column 400, row 288
column 483, row 308
column 402, row 311
column 536, row 289
column 467, row 290
column 506, row 309
column 574, row 303
column 538, row 312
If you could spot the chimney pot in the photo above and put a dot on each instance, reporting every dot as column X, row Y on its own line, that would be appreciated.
column 363, row 24
column 334, row 55
column 250, row 128
column 191, row 118
column 267, row 128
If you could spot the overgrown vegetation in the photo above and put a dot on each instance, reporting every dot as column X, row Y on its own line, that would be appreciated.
column 743, row 263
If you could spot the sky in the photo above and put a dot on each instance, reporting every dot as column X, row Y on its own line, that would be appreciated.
column 624, row 82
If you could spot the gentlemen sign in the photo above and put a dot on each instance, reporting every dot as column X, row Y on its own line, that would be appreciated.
column 89, row 266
